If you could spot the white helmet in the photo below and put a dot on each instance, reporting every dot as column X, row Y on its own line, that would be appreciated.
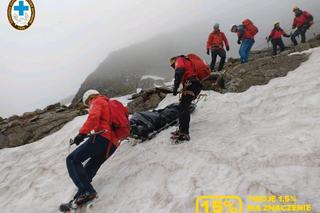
column 87, row 95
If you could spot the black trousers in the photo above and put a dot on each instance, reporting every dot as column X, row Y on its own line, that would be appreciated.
column 301, row 31
column 215, row 52
column 192, row 86
column 277, row 43
column 95, row 149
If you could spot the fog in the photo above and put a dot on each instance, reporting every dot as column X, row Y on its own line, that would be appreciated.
column 69, row 39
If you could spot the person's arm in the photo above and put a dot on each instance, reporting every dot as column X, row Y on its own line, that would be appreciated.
column 93, row 120
column 285, row 34
column 178, row 79
column 241, row 32
column 178, row 76
column 225, row 40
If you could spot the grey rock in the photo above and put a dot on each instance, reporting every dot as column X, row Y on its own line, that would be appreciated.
column 53, row 107
column 33, row 119
column 28, row 115
column 61, row 109
column 147, row 99
column 13, row 117
column 39, row 111
column 15, row 123
column 25, row 129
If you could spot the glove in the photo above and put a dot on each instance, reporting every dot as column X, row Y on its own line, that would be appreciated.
column 239, row 41
column 79, row 139
column 228, row 48
column 208, row 51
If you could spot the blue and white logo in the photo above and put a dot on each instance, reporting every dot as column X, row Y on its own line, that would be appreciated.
column 21, row 13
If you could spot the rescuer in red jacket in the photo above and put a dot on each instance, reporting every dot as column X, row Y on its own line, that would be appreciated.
column 216, row 42
column 185, row 75
column 302, row 22
column 97, row 148
column 276, row 38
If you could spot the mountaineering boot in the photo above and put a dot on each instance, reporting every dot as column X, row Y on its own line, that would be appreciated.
column 180, row 138
column 75, row 197
column 86, row 197
column 67, row 207
column 175, row 133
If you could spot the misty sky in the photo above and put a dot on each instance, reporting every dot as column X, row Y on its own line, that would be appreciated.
column 69, row 39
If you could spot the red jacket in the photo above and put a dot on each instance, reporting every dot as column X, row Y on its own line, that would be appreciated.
column 99, row 119
column 217, row 39
column 302, row 19
column 277, row 33
column 185, row 64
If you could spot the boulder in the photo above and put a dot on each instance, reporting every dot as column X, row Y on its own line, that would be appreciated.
column 33, row 126
column 52, row 107
column 28, row 115
column 13, row 117
column 147, row 99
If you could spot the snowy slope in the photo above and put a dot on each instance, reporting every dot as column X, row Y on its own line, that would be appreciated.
column 259, row 142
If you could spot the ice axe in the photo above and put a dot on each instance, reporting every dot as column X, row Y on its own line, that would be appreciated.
column 71, row 142
column 267, row 39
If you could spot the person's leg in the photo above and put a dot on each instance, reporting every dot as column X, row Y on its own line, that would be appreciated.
column 281, row 44
column 222, row 54
column 248, row 48
column 184, row 116
column 94, row 164
column 77, row 172
column 303, row 32
column 293, row 37
column 214, row 59
column 242, row 52
column 185, row 102
column 274, row 47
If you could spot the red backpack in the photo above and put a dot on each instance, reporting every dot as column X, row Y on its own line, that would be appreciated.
column 250, row 27
column 201, row 69
column 119, row 117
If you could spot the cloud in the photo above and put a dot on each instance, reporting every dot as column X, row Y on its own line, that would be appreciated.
column 69, row 39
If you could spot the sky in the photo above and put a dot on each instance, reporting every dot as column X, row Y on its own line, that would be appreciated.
column 69, row 39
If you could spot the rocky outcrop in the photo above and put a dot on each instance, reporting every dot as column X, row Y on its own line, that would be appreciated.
column 32, row 126
column 150, row 82
column 147, row 99
column 241, row 77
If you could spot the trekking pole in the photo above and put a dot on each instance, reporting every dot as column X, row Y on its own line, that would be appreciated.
column 312, row 30
column 200, row 97
column 71, row 142
column 267, row 39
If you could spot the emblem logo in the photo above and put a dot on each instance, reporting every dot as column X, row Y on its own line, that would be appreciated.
column 21, row 14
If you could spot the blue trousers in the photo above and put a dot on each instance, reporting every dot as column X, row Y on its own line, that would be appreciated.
column 245, row 49
column 95, row 149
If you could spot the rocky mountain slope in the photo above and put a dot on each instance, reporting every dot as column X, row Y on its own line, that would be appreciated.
column 20, row 130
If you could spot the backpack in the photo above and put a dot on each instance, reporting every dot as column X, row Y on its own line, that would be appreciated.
column 201, row 69
column 250, row 27
column 119, row 117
